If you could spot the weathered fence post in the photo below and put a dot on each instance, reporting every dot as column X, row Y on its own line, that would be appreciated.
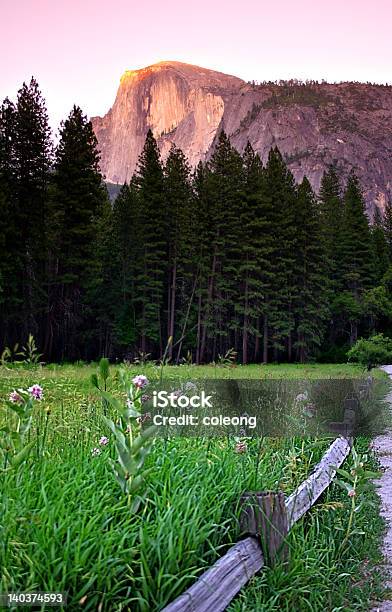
column 264, row 515
column 346, row 427
column 267, row 518
column 365, row 388
column 351, row 408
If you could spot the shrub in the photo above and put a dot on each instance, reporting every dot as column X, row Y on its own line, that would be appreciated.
column 371, row 352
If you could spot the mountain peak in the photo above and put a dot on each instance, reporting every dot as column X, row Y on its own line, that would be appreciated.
column 188, row 71
column 313, row 124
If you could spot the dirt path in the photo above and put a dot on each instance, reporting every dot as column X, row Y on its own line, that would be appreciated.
column 383, row 447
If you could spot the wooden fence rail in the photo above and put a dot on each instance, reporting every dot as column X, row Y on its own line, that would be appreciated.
column 308, row 492
column 262, row 513
column 215, row 589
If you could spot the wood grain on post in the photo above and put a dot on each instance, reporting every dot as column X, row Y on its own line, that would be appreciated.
column 215, row 589
column 346, row 427
column 264, row 516
column 351, row 404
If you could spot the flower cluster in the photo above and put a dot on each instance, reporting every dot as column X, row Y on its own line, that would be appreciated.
column 15, row 397
column 310, row 410
column 143, row 418
column 241, row 447
column 35, row 391
column 302, row 397
column 140, row 381
column 103, row 441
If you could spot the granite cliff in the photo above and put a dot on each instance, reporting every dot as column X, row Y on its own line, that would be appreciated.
column 313, row 124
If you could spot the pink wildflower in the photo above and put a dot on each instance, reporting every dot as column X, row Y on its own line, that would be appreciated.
column 103, row 440
column 351, row 493
column 302, row 397
column 143, row 418
column 140, row 381
column 310, row 410
column 241, row 447
column 15, row 397
column 36, row 392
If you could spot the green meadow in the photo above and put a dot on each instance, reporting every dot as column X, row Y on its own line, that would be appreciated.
column 65, row 524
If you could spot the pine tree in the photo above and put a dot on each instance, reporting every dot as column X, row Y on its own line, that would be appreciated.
column 224, row 191
column 204, row 255
column 150, row 280
column 254, row 274
column 101, row 301
column 178, row 202
column 77, row 202
column 11, row 252
column 281, row 190
column 310, row 305
column 32, row 153
column 125, row 252
column 380, row 246
column 357, row 261
column 331, row 209
column 357, row 266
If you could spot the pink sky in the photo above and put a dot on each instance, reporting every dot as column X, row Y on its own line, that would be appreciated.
column 78, row 49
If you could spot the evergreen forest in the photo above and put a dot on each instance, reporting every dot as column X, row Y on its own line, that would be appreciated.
column 232, row 258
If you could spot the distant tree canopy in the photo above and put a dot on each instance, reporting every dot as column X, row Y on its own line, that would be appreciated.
column 230, row 255
column 371, row 352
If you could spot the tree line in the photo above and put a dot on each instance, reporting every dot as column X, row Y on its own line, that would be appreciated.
column 231, row 256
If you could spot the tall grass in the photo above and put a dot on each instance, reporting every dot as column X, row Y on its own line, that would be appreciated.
column 64, row 524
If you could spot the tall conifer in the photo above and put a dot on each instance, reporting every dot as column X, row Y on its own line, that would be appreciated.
column 357, row 264
column 331, row 210
column 254, row 270
column 178, row 205
column 380, row 246
column 310, row 306
column 281, row 190
column 78, row 197
column 150, row 279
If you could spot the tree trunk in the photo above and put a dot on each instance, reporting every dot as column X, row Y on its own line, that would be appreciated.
column 198, row 330
column 265, row 340
column 353, row 332
column 302, row 348
column 209, row 299
column 257, row 340
column 245, row 328
column 172, row 291
column 169, row 277
column 186, row 321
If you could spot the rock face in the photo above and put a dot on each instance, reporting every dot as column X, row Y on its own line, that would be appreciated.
column 312, row 124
